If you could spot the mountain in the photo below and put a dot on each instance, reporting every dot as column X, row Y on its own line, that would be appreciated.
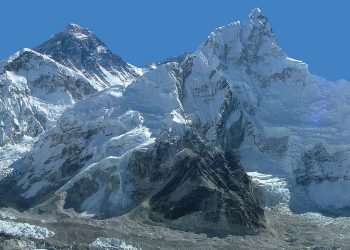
column 35, row 88
column 34, row 91
column 110, row 153
column 79, row 49
column 177, row 142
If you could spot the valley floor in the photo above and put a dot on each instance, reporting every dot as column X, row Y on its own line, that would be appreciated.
column 285, row 231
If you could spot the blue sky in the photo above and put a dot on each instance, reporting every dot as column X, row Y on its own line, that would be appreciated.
column 140, row 31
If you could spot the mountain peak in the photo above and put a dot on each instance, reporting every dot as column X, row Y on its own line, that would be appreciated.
column 73, row 26
column 257, row 17
column 78, row 48
column 77, row 31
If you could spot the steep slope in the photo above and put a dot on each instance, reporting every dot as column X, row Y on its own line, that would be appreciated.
column 79, row 49
column 247, row 94
column 34, row 92
column 99, row 133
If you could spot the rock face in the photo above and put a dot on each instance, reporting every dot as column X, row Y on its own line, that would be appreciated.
column 79, row 49
column 207, row 191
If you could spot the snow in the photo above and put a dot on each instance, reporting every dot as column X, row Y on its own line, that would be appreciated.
column 117, row 78
column 123, row 123
column 32, row 99
column 112, row 243
column 5, row 215
column 274, row 193
column 11, row 153
column 35, row 94
column 274, row 190
column 24, row 230
column 285, row 110
column 240, row 82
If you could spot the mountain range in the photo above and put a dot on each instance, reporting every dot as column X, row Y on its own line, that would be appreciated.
column 183, row 141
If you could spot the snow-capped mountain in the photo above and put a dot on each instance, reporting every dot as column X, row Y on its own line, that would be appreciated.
column 157, row 145
column 111, row 152
column 247, row 94
column 35, row 88
column 79, row 49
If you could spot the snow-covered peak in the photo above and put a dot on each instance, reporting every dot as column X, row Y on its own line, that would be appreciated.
column 260, row 25
column 78, row 32
column 79, row 49
column 241, row 40
column 257, row 17
column 249, row 50
column 72, row 27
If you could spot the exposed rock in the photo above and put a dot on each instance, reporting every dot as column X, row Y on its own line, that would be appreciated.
column 207, row 191
column 79, row 49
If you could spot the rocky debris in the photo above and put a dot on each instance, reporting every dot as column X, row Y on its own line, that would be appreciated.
column 16, row 244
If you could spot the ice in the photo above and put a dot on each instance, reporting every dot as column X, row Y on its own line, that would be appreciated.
column 24, row 230
column 273, row 191
column 112, row 243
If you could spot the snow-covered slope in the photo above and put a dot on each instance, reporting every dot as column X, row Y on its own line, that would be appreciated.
column 34, row 92
column 99, row 134
column 35, row 88
column 239, row 92
column 110, row 153
column 79, row 49
column 247, row 94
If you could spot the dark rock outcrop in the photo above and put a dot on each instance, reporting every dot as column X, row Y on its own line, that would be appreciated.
column 208, row 191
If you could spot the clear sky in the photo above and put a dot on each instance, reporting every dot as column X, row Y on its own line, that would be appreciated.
column 142, row 32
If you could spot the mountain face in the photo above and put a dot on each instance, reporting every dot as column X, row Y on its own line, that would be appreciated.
column 246, row 94
column 111, row 153
column 175, row 141
column 35, row 88
column 34, row 92
column 79, row 49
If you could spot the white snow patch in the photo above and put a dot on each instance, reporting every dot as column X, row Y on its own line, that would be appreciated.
column 24, row 230
column 5, row 215
column 11, row 153
column 112, row 243
column 273, row 190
